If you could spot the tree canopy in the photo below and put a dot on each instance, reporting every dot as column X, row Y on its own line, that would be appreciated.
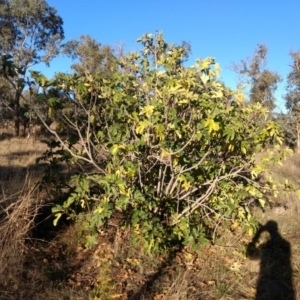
column 262, row 81
column 91, row 55
column 292, row 98
column 31, row 32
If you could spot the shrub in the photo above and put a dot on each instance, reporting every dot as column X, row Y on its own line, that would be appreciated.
column 167, row 150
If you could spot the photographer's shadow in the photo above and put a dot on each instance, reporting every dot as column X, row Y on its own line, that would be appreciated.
column 275, row 280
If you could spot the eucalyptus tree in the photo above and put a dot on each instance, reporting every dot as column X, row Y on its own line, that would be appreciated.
column 262, row 81
column 6, row 100
column 292, row 97
column 90, row 56
column 30, row 33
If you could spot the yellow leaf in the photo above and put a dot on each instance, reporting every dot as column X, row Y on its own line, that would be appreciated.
column 178, row 133
column 115, row 296
column 235, row 266
column 175, row 89
column 186, row 185
column 217, row 69
column 211, row 124
column 175, row 161
column 183, row 101
column 133, row 261
column 98, row 210
column 262, row 202
column 82, row 203
column 250, row 232
column 114, row 149
column 147, row 110
column 43, row 81
column 142, row 126
column 204, row 78
column 241, row 213
column 239, row 98
column 217, row 94
column 205, row 63
column 235, row 225
column 165, row 154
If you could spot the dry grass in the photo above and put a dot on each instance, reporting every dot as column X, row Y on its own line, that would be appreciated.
column 61, row 268
column 19, row 203
column 285, row 212
column 17, row 158
column 290, row 169
column 17, row 216
column 20, row 151
column 25, row 271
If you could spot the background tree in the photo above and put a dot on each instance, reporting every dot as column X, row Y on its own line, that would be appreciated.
column 262, row 81
column 30, row 33
column 286, row 122
column 6, row 101
column 292, row 97
column 91, row 56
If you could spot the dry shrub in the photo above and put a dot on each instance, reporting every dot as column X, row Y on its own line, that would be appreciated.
column 17, row 214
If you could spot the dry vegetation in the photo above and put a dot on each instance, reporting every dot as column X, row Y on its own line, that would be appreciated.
column 40, row 261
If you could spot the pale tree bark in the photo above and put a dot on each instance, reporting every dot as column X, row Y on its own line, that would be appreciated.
column 298, row 137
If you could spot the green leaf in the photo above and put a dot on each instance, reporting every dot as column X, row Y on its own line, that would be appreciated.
column 160, row 131
column 229, row 133
column 91, row 241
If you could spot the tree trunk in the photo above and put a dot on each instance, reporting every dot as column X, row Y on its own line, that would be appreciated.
column 17, row 113
column 298, row 138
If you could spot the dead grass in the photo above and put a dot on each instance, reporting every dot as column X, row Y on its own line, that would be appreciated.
column 17, row 158
column 285, row 211
column 290, row 169
column 18, row 212
column 61, row 268
column 20, row 151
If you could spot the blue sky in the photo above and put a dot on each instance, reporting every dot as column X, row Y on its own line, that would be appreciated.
column 228, row 30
